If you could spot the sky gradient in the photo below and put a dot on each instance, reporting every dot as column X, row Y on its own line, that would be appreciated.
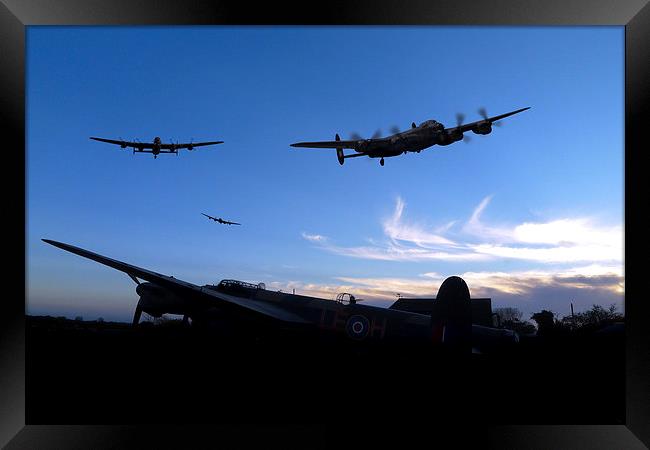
column 530, row 215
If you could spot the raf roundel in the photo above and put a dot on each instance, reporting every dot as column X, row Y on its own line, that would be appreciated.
column 357, row 327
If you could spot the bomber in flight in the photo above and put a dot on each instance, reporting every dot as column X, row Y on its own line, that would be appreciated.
column 448, row 321
column 220, row 220
column 415, row 139
column 157, row 146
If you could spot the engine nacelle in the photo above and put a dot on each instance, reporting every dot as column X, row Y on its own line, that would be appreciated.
column 190, row 147
column 156, row 300
column 123, row 145
column 483, row 128
column 449, row 138
column 340, row 156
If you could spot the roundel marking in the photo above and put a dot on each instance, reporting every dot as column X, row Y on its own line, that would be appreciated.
column 357, row 327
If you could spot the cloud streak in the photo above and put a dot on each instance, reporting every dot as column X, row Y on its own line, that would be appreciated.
column 564, row 240
column 528, row 290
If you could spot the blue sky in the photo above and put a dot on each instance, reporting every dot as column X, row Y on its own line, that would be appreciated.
column 530, row 215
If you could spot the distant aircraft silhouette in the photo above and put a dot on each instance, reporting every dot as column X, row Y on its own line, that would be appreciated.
column 220, row 220
column 157, row 146
column 415, row 139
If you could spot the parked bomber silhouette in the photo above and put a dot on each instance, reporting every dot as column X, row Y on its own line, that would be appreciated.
column 415, row 139
column 449, row 322
column 157, row 146
column 220, row 220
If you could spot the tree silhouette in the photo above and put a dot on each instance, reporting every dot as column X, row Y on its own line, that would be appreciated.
column 593, row 318
column 508, row 313
column 545, row 323
column 510, row 318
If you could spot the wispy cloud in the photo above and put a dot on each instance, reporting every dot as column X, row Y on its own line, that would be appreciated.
column 397, row 230
column 475, row 227
column 563, row 240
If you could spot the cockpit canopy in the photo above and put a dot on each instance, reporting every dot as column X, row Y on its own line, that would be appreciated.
column 230, row 284
column 346, row 298
column 431, row 124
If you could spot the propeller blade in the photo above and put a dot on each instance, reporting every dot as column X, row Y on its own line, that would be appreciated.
column 466, row 138
column 136, row 316
column 394, row 129
column 483, row 113
column 376, row 135
column 355, row 136
column 459, row 119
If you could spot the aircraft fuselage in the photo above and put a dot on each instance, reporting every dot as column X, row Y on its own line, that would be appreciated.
column 356, row 321
column 416, row 139
column 156, row 146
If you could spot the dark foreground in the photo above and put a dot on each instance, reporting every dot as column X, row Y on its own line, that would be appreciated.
column 109, row 373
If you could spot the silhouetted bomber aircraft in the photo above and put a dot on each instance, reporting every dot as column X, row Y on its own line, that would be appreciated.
column 449, row 322
column 415, row 139
column 157, row 146
column 220, row 220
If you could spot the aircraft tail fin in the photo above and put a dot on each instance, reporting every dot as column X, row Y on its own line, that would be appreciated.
column 452, row 311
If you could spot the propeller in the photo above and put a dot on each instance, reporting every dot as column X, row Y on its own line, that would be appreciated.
column 357, row 137
column 484, row 114
column 460, row 117
column 394, row 129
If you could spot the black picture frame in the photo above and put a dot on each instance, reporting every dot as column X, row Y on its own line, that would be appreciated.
column 16, row 14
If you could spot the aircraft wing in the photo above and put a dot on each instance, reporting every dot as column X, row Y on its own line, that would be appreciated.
column 326, row 144
column 188, row 145
column 231, row 223
column 184, row 288
column 140, row 145
column 468, row 126
column 209, row 217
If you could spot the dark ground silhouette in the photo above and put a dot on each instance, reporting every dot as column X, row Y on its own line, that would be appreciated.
column 87, row 372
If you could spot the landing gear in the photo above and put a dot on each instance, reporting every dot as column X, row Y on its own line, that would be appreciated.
column 381, row 161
